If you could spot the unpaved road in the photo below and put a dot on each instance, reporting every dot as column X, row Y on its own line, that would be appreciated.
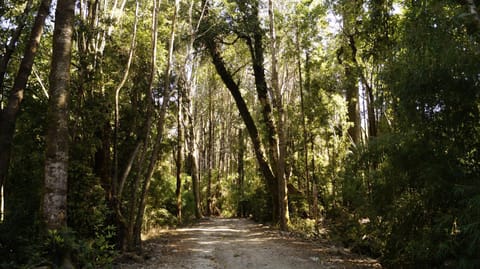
column 240, row 244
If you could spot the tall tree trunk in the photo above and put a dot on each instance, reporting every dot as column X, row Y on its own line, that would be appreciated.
column 54, row 207
column 57, row 138
column 282, row 144
column 209, row 152
column 314, row 207
column 241, row 206
column 190, row 70
column 179, row 157
column 115, row 180
column 302, row 109
column 9, row 115
column 191, row 161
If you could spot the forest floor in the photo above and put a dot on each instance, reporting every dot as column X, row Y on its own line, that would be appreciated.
column 238, row 244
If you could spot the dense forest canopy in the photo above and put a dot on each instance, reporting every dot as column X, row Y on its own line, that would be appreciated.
column 361, row 116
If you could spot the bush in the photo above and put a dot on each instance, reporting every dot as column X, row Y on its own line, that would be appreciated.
column 84, row 253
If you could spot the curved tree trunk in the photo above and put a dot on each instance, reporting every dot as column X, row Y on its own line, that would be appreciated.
column 232, row 86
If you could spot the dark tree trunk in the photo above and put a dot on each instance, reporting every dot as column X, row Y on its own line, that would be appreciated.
column 179, row 156
column 232, row 86
column 9, row 115
column 241, row 205
column 209, row 153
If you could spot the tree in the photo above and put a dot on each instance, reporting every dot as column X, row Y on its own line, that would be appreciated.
column 252, row 34
column 57, row 138
column 347, row 55
column 160, row 124
column 8, row 116
column 12, row 44
column 56, row 162
column 281, row 129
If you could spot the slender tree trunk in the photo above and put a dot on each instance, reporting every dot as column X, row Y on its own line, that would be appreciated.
column 160, row 129
column 241, row 206
column 314, row 186
column 179, row 157
column 131, row 240
column 9, row 115
column 302, row 110
column 209, row 152
column 190, row 164
column 308, row 138
column 115, row 181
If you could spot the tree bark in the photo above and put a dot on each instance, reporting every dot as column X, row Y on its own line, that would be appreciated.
column 282, row 145
column 57, row 138
column 9, row 115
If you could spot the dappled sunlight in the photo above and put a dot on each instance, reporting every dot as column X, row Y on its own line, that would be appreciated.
column 211, row 230
column 241, row 243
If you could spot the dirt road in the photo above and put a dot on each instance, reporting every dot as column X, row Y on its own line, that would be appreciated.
column 240, row 244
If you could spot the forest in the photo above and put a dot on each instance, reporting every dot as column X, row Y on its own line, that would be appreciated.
column 361, row 117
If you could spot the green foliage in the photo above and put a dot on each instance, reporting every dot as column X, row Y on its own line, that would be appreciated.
column 19, row 232
column 87, row 208
column 162, row 206
column 418, row 186
column 84, row 253
column 256, row 198
column 305, row 227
